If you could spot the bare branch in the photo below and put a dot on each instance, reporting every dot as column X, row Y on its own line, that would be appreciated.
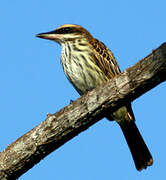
column 60, row 127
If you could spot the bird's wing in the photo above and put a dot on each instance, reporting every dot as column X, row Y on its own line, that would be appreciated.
column 105, row 59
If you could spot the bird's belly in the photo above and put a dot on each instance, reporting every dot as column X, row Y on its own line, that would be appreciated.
column 84, row 78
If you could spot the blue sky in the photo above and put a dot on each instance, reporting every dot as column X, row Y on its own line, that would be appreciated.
column 33, row 83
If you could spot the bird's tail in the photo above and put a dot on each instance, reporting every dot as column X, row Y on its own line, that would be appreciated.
column 140, row 153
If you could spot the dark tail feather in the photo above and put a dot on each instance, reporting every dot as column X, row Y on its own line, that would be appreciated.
column 140, row 153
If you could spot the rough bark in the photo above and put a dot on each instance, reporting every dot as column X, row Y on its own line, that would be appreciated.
column 60, row 127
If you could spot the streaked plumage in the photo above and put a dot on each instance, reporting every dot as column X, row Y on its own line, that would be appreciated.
column 88, row 63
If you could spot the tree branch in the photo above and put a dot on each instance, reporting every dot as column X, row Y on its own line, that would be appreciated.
column 60, row 127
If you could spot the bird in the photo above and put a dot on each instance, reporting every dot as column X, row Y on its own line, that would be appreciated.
column 88, row 63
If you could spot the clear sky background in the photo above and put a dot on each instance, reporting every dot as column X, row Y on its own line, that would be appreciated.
column 33, row 83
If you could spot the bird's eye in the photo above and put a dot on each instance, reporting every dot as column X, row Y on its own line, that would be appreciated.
column 65, row 30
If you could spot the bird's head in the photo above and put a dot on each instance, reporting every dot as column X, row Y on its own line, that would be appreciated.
column 66, row 33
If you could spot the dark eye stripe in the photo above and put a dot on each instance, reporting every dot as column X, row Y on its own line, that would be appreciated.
column 65, row 30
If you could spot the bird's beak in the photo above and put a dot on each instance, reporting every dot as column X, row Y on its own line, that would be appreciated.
column 50, row 36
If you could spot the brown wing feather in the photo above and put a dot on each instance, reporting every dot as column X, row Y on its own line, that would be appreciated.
column 105, row 59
